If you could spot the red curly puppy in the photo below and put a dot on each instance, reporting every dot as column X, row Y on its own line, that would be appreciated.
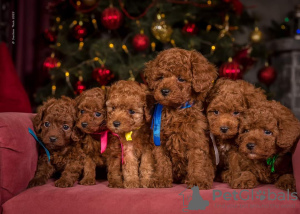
column 128, row 116
column 91, row 120
column 268, row 136
column 54, row 125
column 226, row 104
column 180, row 81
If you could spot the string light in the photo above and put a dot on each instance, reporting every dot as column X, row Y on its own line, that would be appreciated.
column 173, row 42
column 60, row 27
column 67, row 74
column 53, row 89
column 209, row 2
column 153, row 46
column 111, row 45
column 208, row 28
column 282, row 27
column 78, row 3
column 96, row 58
column 57, row 19
column 81, row 44
column 213, row 48
column 94, row 21
column 124, row 47
column 58, row 44
column 58, row 64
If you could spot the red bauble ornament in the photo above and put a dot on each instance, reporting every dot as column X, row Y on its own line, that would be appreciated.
column 50, row 63
column 140, row 42
column 102, row 75
column 50, row 36
column 190, row 28
column 79, row 87
column 231, row 70
column 111, row 18
column 79, row 32
column 244, row 59
column 267, row 75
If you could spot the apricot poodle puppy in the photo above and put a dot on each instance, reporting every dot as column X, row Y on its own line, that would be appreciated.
column 180, row 81
column 226, row 104
column 54, row 126
column 268, row 136
column 128, row 115
column 91, row 121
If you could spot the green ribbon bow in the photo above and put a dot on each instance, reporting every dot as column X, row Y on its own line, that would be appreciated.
column 271, row 162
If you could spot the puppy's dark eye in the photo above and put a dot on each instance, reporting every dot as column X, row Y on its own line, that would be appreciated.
column 65, row 127
column 160, row 78
column 267, row 132
column 47, row 124
column 236, row 113
column 97, row 114
column 113, row 108
column 245, row 131
column 131, row 111
column 216, row 112
column 81, row 111
column 180, row 79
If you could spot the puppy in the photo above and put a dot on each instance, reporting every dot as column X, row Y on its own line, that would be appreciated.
column 268, row 136
column 91, row 121
column 128, row 116
column 226, row 104
column 180, row 81
column 54, row 125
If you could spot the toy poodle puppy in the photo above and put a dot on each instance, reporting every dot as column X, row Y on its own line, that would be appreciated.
column 180, row 80
column 128, row 116
column 226, row 104
column 268, row 136
column 54, row 126
column 91, row 121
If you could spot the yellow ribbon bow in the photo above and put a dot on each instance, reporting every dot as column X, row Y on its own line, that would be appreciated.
column 128, row 136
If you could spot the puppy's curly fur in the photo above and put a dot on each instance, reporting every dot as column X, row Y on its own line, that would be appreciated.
column 127, row 111
column 54, row 125
column 184, row 152
column 267, row 130
column 91, row 120
column 226, row 104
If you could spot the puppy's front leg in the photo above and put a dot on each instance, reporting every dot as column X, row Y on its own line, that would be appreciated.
column 200, row 170
column 43, row 173
column 89, row 172
column 286, row 182
column 130, row 167
column 146, row 169
column 70, row 174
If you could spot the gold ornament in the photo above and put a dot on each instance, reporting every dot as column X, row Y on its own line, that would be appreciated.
column 161, row 30
column 226, row 28
column 256, row 35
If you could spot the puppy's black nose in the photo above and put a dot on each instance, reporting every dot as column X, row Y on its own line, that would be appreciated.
column 84, row 125
column 52, row 139
column 224, row 129
column 250, row 146
column 165, row 91
column 116, row 124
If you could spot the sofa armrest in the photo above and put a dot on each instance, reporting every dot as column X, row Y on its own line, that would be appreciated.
column 296, row 167
column 18, row 154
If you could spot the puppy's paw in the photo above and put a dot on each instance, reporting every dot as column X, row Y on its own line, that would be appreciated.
column 162, row 183
column 63, row 183
column 115, row 185
column 226, row 176
column 36, row 182
column 246, row 180
column 87, row 181
column 202, row 184
column 131, row 184
column 147, row 183
column 286, row 182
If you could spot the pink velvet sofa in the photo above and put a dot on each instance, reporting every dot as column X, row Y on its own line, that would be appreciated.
column 18, row 159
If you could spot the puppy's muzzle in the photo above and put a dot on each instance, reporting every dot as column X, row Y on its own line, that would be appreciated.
column 224, row 129
column 52, row 139
column 250, row 146
column 116, row 123
column 165, row 92
column 84, row 125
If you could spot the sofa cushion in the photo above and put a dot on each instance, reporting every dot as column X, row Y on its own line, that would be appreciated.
column 49, row 199
column 18, row 154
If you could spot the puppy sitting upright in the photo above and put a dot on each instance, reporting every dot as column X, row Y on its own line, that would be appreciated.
column 226, row 104
column 268, row 135
column 128, row 116
column 91, row 116
column 180, row 80
column 54, row 125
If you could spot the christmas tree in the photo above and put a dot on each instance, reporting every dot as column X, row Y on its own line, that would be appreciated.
column 94, row 42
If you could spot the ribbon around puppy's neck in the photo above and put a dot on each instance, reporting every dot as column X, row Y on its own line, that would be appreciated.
column 40, row 142
column 156, row 120
column 271, row 162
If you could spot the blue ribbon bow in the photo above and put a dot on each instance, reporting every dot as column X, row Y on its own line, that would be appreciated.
column 40, row 142
column 156, row 121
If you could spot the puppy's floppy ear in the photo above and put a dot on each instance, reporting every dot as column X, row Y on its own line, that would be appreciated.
column 38, row 119
column 76, row 135
column 288, row 124
column 204, row 73
column 149, row 103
